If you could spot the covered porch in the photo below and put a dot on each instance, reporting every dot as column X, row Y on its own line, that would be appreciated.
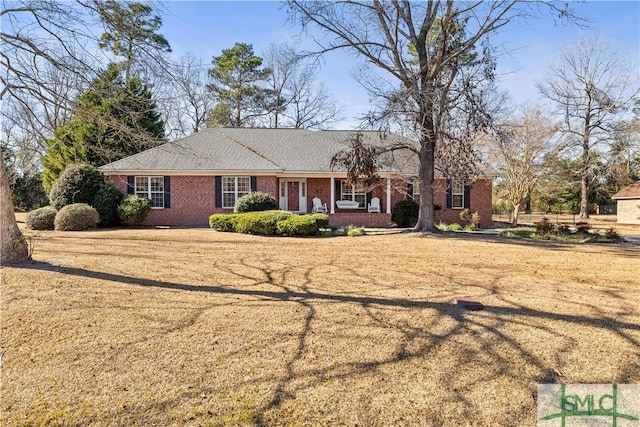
column 296, row 194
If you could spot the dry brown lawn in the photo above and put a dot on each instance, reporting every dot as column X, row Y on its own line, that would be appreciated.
column 190, row 327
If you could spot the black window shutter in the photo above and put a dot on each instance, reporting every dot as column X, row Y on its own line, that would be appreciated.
column 368, row 197
column 131, row 183
column 218, row 188
column 467, row 196
column 409, row 190
column 338, row 185
column 254, row 183
column 449, row 198
column 167, row 192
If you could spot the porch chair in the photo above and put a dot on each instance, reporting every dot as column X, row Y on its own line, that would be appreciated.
column 374, row 206
column 318, row 206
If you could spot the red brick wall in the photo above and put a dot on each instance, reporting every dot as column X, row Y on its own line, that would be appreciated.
column 481, row 196
column 380, row 220
column 193, row 200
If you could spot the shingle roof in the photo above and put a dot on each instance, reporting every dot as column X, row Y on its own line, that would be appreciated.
column 251, row 149
column 631, row 191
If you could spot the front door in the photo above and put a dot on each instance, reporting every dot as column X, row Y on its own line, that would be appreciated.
column 293, row 195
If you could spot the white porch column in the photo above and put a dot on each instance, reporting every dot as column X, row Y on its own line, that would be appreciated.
column 388, row 195
column 333, row 196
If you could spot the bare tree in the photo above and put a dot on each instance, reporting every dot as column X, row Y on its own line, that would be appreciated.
column 522, row 152
column 591, row 85
column 299, row 101
column 184, row 97
column 422, row 47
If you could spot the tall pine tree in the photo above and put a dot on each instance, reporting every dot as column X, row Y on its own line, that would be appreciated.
column 113, row 119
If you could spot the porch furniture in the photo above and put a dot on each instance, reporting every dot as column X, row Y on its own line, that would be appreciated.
column 347, row 204
column 318, row 206
column 374, row 206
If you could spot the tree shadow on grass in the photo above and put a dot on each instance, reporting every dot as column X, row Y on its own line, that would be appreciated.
column 416, row 341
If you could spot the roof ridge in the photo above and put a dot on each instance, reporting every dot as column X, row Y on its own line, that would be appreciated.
column 251, row 149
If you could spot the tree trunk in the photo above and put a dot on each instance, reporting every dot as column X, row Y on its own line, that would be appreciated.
column 427, row 172
column 14, row 247
column 585, row 175
column 515, row 214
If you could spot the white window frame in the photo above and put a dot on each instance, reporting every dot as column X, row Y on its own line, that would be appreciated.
column 416, row 191
column 234, row 191
column 142, row 187
column 457, row 192
column 352, row 192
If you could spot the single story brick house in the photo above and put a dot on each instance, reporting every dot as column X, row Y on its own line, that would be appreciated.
column 205, row 173
column 628, row 200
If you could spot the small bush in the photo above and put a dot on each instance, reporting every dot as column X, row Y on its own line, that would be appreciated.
column 255, row 202
column 611, row 234
column 405, row 213
column 133, row 210
column 298, row 225
column 583, row 227
column 544, row 227
column 106, row 203
column 76, row 217
column 322, row 220
column 563, row 229
column 454, row 227
column 260, row 222
column 41, row 219
column 78, row 183
column 355, row 231
column 223, row 222
column 472, row 218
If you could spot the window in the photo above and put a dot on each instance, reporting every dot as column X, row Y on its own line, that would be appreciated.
column 356, row 193
column 234, row 187
column 457, row 194
column 151, row 187
column 416, row 191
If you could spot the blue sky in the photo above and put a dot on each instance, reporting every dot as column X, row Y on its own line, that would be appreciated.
column 204, row 28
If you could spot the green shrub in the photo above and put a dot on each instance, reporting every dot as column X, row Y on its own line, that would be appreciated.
column 260, row 222
column 255, row 202
column 41, row 219
column 563, row 229
column 355, row 231
column 405, row 213
column 133, row 210
column 223, row 222
column 106, row 202
column 78, row 183
column 322, row 220
column 454, row 227
column 76, row 217
column 298, row 225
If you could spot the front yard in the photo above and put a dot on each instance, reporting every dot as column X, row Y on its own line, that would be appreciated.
column 194, row 327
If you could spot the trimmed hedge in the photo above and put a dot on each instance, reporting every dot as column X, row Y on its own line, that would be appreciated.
column 223, row 222
column 260, row 222
column 76, row 217
column 298, row 225
column 270, row 223
column 134, row 209
column 78, row 183
column 41, row 219
column 106, row 203
column 405, row 213
column 255, row 202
